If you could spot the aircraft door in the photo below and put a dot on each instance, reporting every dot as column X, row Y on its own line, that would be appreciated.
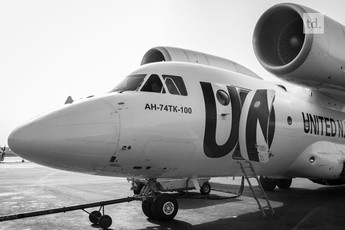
column 113, row 141
column 257, row 125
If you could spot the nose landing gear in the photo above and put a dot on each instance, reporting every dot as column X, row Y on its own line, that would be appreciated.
column 162, row 207
column 156, row 205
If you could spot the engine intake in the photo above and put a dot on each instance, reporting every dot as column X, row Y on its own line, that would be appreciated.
column 279, row 38
column 159, row 54
column 284, row 49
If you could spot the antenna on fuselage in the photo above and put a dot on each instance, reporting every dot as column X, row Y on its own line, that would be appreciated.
column 69, row 100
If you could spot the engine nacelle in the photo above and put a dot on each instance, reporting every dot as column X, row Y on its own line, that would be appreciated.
column 320, row 161
column 312, row 60
column 159, row 54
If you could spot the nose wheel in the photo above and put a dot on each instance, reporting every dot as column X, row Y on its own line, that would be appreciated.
column 146, row 207
column 163, row 207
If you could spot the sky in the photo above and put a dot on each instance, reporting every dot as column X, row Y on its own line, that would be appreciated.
column 51, row 49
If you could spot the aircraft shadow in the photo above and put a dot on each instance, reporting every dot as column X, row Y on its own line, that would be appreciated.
column 298, row 209
column 196, row 200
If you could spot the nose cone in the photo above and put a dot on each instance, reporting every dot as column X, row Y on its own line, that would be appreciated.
column 78, row 137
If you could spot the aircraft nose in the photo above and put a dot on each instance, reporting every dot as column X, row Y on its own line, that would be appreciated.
column 78, row 137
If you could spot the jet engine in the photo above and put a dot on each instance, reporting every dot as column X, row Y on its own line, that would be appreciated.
column 302, row 46
column 159, row 54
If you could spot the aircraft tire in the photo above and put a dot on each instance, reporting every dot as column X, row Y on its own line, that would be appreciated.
column 146, row 206
column 205, row 188
column 94, row 217
column 164, row 207
column 284, row 183
column 267, row 183
column 105, row 222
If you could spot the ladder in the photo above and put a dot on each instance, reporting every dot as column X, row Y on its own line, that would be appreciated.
column 249, row 172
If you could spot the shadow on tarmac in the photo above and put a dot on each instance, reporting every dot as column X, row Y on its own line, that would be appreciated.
column 302, row 209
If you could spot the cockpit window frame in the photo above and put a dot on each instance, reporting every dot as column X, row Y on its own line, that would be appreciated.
column 171, row 86
column 133, row 87
column 178, row 84
column 148, row 82
column 151, row 83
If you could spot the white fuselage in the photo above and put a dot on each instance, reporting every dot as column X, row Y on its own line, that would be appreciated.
column 162, row 135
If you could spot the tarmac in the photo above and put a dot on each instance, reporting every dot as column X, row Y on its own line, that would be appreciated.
column 27, row 187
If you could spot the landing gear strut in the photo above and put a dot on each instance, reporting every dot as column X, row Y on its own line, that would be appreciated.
column 164, row 206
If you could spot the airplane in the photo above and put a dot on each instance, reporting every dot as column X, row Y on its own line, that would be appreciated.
column 2, row 153
column 6, row 151
column 189, row 115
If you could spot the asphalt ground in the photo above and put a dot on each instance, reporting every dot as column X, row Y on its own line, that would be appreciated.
column 28, row 187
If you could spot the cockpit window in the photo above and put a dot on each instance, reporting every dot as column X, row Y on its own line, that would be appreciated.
column 130, row 83
column 172, row 86
column 153, row 84
column 175, row 85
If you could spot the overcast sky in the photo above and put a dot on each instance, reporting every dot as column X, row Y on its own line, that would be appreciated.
column 52, row 49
